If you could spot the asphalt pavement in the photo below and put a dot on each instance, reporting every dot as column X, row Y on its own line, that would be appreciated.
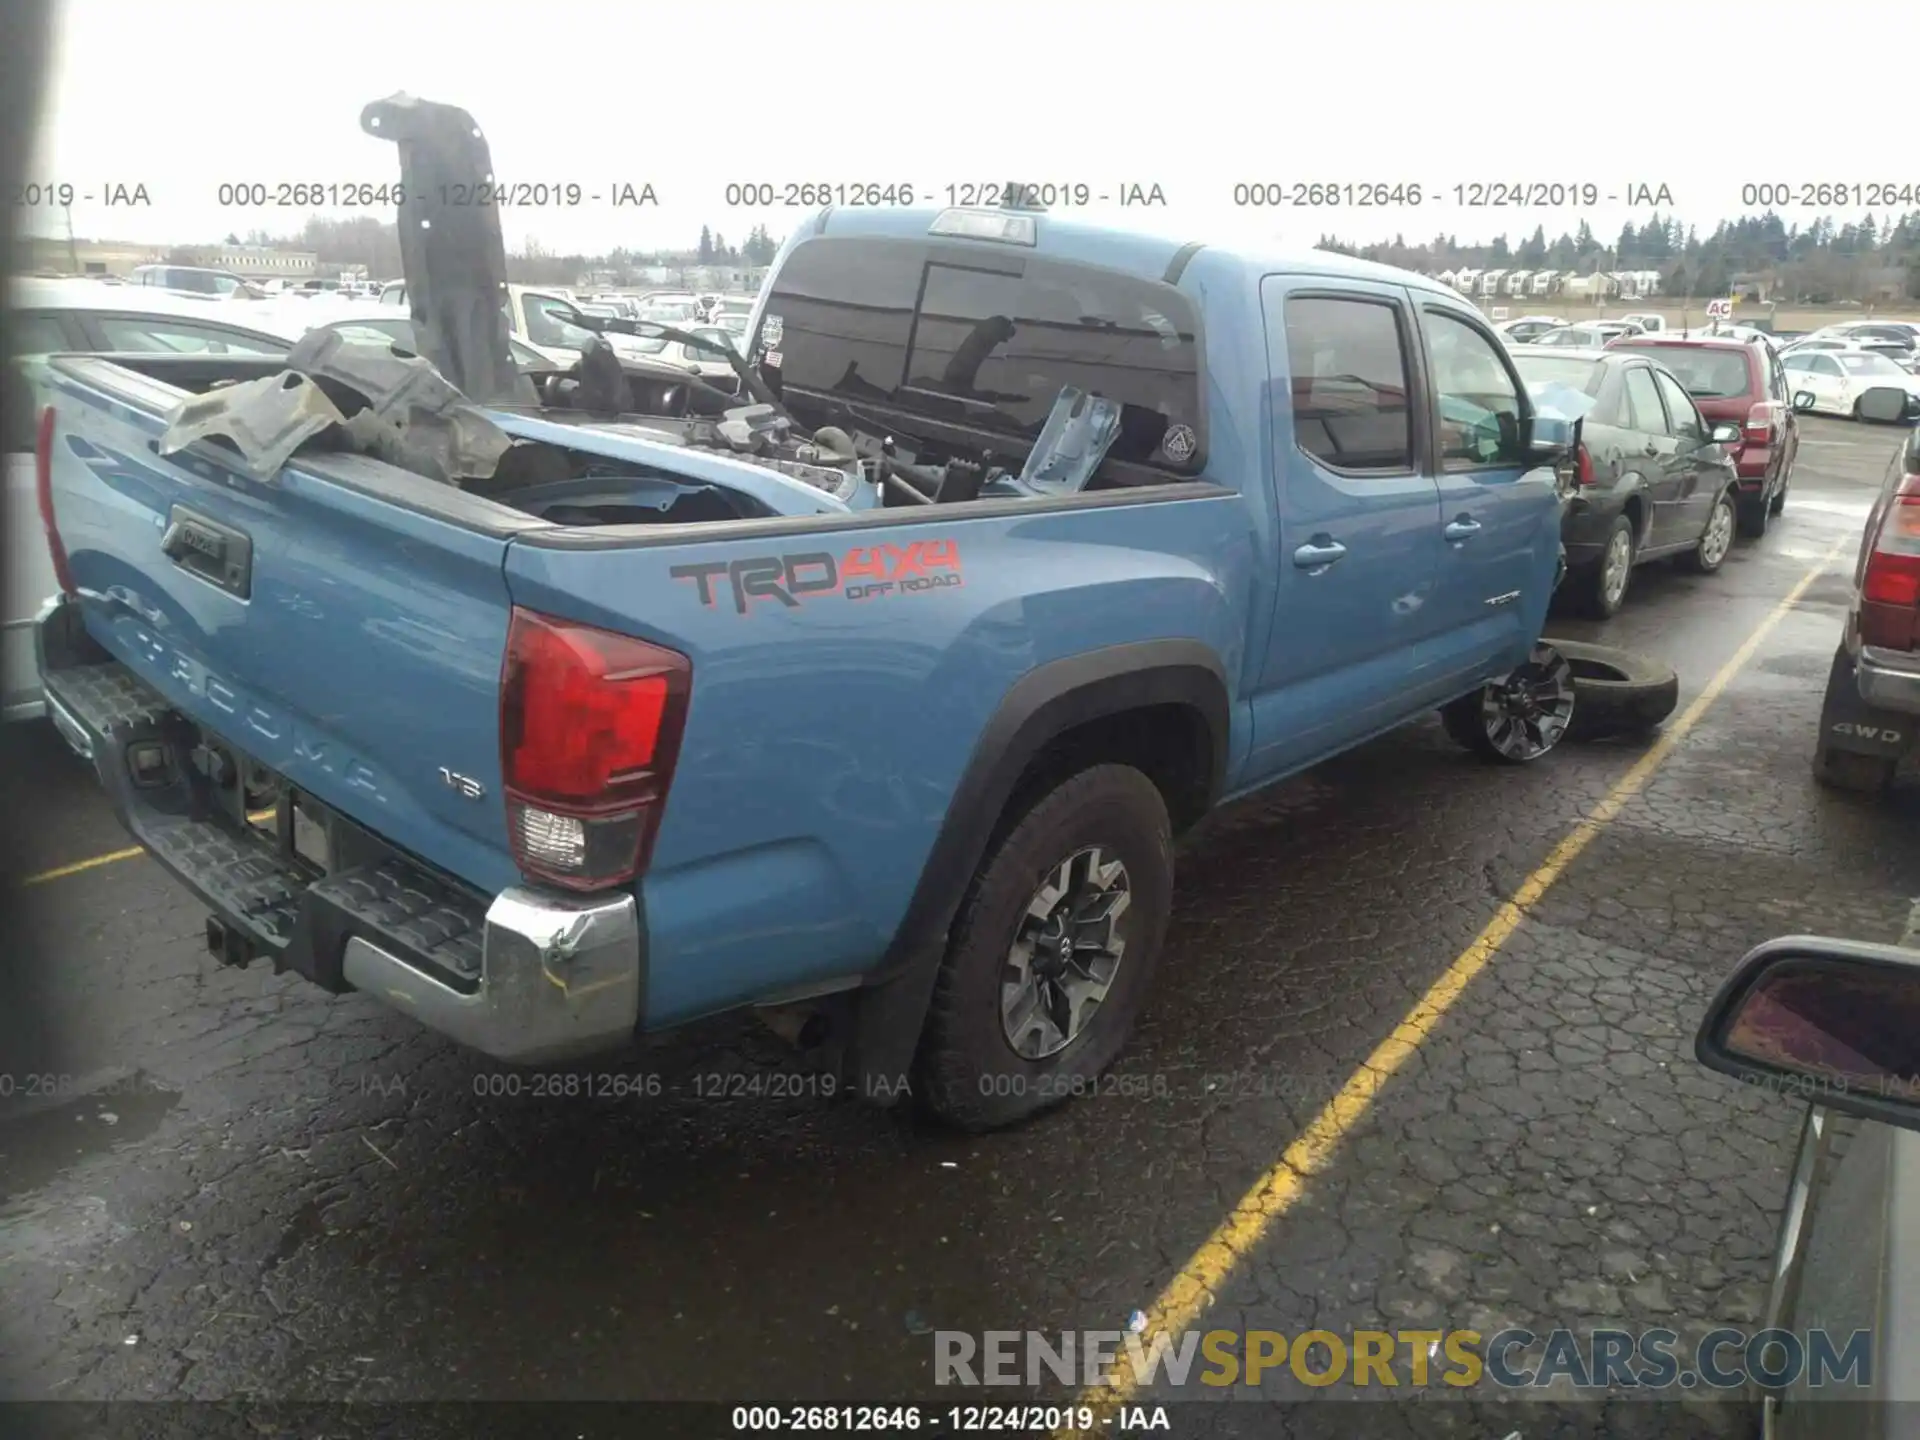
column 236, row 1185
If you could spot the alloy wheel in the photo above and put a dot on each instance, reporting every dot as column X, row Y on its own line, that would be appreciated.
column 1526, row 714
column 1719, row 535
column 1615, row 567
column 1065, row 954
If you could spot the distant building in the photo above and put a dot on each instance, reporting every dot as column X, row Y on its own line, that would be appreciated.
column 1596, row 286
column 1517, row 282
column 1544, row 282
column 263, row 262
column 85, row 257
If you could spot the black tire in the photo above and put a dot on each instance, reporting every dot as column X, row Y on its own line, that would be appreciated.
column 1754, row 517
column 1779, row 502
column 1711, row 550
column 1617, row 692
column 1845, row 770
column 1588, row 587
column 969, row 1074
column 1479, row 722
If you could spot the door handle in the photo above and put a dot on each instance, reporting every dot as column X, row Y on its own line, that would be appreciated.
column 1318, row 553
column 1465, row 528
column 1651, row 450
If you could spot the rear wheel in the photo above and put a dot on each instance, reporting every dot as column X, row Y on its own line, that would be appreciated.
column 1844, row 770
column 1710, row 553
column 1516, row 720
column 1051, row 955
column 1756, row 513
column 1780, row 495
column 1600, row 589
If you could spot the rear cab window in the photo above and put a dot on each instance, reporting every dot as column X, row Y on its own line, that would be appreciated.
column 976, row 346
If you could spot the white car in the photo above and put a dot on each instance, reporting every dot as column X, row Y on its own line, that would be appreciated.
column 671, row 309
column 1520, row 332
column 52, row 317
column 712, row 368
column 1576, row 337
column 1836, row 379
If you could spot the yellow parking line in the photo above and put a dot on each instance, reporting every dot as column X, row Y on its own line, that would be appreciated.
column 60, row 872
column 1193, row 1289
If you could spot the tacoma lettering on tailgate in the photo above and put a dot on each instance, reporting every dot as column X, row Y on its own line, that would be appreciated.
column 863, row 573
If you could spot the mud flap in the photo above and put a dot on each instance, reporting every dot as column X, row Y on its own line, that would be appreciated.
column 1849, row 724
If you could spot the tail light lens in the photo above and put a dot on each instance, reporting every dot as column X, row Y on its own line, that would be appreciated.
column 1890, row 585
column 590, row 726
column 1759, row 426
column 43, row 493
column 1583, row 465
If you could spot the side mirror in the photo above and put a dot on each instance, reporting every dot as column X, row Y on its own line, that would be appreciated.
column 1831, row 1022
column 1725, row 432
column 1549, row 438
column 1884, row 403
column 1803, row 400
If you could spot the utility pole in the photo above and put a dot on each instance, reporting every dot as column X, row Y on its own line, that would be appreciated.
column 73, row 249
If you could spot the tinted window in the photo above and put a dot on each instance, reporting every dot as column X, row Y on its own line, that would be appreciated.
column 143, row 334
column 1868, row 364
column 1347, row 367
column 1643, row 403
column 993, row 341
column 1708, row 374
column 36, row 335
column 1480, row 406
column 1683, row 421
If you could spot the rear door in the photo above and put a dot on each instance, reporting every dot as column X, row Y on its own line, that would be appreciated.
column 1358, row 512
column 1697, row 466
column 1499, row 531
column 347, row 633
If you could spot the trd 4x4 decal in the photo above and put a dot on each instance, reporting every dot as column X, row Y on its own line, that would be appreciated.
column 863, row 573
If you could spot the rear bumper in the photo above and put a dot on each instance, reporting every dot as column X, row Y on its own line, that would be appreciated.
column 1887, row 684
column 527, row 976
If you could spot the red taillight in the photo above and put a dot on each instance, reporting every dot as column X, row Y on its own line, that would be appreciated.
column 1890, row 585
column 43, row 492
column 590, row 724
column 1759, row 427
column 1583, row 465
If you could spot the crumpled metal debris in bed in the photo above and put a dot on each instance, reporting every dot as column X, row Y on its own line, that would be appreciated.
column 403, row 412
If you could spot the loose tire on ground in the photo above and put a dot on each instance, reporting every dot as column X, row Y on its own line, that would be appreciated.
column 1618, row 692
column 1845, row 770
column 968, row 1073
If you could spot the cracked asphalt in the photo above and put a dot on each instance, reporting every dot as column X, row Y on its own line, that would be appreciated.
column 248, row 1188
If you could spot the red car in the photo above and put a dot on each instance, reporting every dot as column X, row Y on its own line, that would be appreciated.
column 1741, row 382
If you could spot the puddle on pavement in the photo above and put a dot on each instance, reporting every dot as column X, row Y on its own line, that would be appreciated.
column 36, row 1148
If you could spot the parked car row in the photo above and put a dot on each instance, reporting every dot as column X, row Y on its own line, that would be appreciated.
column 1683, row 445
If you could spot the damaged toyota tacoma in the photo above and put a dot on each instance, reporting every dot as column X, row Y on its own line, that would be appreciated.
column 873, row 697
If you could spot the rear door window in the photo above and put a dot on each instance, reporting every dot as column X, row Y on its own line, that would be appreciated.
column 1348, row 376
column 1683, row 421
column 1645, row 414
column 987, row 341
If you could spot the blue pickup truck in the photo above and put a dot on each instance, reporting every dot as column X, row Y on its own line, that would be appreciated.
column 874, row 698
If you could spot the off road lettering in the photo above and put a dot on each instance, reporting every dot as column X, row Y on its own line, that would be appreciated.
column 863, row 573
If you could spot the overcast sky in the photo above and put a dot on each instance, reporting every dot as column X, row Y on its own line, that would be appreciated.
column 1193, row 97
